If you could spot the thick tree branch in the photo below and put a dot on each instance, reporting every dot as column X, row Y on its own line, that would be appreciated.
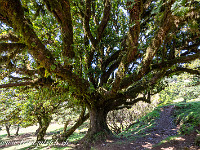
column 135, row 9
column 105, row 19
column 166, row 23
column 170, row 63
column 18, row 78
column 35, row 46
column 132, row 102
column 11, row 47
column 162, row 65
column 152, row 49
column 67, row 29
column 9, row 37
column 179, row 70
column 25, row 71
column 129, row 97
column 18, row 84
column 82, row 118
column 86, row 25
column 106, row 74
column 111, row 58
column 61, row 11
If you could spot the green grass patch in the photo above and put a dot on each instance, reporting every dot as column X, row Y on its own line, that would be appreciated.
column 145, row 123
column 187, row 115
column 168, row 139
column 3, row 136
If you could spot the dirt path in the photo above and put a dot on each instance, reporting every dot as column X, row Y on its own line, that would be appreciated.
column 165, row 128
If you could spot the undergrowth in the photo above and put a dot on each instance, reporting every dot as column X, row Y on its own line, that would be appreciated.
column 139, row 128
column 187, row 115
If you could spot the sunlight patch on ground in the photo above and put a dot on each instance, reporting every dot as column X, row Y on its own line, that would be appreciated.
column 168, row 148
column 53, row 127
column 31, row 129
column 147, row 145
column 16, row 147
column 178, row 100
column 109, row 141
column 24, row 141
column 82, row 130
column 179, row 139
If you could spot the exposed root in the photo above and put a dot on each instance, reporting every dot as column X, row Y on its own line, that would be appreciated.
column 92, row 139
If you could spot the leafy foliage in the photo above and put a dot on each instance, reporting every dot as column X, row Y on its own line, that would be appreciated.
column 108, row 54
column 180, row 88
column 147, row 122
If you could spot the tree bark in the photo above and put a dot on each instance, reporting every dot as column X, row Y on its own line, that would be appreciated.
column 98, row 130
column 98, row 126
column 43, row 125
column 42, row 133
column 63, row 137
column 8, row 129
column 17, row 131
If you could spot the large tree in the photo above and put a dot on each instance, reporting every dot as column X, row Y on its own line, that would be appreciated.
column 107, row 52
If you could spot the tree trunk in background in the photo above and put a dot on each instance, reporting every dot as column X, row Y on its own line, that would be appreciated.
column 65, row 126
column 78, row 123
column 42, row 132
column 36, row 132
column 8, row 129
column 44, row 122
column 17, row 131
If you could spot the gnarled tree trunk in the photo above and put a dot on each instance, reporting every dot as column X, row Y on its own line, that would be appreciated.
column 98, row 126
column 44, row 122
column 98, row 129
column 17, row 131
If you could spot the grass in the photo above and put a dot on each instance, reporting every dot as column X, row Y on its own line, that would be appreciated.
column 145, row 123
column 53, row 129
column 187, row 116
column 168, row 139
column 2, row 136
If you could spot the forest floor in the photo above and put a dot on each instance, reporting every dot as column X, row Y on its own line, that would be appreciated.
column 163, row 136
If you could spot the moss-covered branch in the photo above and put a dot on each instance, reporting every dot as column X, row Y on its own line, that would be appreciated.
column 105, row 19
column 13, row 10
column 11, row 47
column 18, row 84
column 61, row 11
column 86, row 25
column 9, row 37
column 177, row 60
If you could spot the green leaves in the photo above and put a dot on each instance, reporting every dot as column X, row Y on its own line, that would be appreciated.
column 53, row 67
column 180, row 8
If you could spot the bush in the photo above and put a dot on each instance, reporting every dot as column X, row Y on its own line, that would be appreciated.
column 120, row 120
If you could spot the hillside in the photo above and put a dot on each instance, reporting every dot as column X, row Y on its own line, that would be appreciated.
column 168, row 127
